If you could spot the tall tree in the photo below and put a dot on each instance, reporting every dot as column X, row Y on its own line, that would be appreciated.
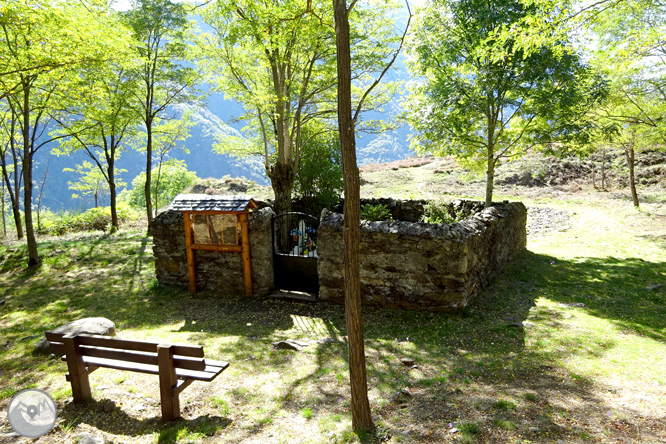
column 43, row 43
column 482, row 98
column 10, row 162
column 277, row 58
column 347, row 119
column 632, row 50
column 99, row 122
column 160, row 28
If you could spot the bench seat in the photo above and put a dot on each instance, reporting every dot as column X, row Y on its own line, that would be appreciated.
column 176, row 365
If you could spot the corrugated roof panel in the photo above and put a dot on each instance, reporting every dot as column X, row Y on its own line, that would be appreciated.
column 207, row 202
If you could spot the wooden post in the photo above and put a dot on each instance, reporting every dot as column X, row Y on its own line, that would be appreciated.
column 190, row 254
column 168, row 383
column 245, row 243
column 78, row 374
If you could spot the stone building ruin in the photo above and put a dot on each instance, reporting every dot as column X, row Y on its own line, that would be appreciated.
column 405, row 263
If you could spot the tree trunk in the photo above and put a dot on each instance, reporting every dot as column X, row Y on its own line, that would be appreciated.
column 282, row 181
column 360, row 405
column 4, row 222
column 630, row 154
column 112, row 197
column 33, row 255
column 15, row 192
column 603, row 169
column 14, row 200
column 149, row 166
column 490, row 177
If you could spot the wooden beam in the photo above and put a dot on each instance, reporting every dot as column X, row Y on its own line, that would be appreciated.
column 168, row 381
column 78, row 373
column 190, row 253
column 245, row 244
column 218, row 247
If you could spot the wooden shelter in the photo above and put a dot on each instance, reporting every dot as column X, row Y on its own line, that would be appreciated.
column 216, row 223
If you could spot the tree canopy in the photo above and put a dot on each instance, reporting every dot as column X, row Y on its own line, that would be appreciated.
column 480, row 98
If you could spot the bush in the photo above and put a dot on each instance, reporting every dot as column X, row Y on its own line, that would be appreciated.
column 318, row 182
column 436, row 213
column 173, row 179
column 375, row 212
column 94, row 219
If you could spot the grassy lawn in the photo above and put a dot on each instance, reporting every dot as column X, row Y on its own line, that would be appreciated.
column 568, row 345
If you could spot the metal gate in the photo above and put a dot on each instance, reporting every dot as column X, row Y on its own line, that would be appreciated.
column 295, row 252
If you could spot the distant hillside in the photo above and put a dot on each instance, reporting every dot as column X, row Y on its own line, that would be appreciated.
column 210, row 122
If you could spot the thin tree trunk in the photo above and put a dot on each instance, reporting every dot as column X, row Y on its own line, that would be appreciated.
column 33, row 255
column 39, row 198
column 4, row 222
column 113, row 198
column 360, row 405
column 603, row 169
column 490, row 177
column 149, row 166
column 630, row 154
column 14, row 201
column 15, row 192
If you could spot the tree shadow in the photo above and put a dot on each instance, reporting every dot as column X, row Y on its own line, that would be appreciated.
column 119, row 422
column 620, row 290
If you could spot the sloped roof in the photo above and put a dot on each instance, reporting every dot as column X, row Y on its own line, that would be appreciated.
column 207, row 202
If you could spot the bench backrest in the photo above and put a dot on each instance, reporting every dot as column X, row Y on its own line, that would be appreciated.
column 127, row 350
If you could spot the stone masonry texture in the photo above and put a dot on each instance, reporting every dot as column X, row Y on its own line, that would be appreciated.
column 418, row 266
column 216, row 271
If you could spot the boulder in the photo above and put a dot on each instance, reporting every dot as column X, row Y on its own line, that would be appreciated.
column 89, row 438
column 91, row 326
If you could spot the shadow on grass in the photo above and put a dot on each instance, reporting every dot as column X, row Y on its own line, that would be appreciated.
column 624, row 291
column 471, row 369
column 116, row 422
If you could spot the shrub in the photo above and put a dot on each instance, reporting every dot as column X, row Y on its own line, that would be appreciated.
column 437, row 213
column 173, row 178
column 375, row 212
column 94, row 219
column 318, row 182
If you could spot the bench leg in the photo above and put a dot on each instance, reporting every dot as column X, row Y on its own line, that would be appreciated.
column 168, row 382
column 78, row 374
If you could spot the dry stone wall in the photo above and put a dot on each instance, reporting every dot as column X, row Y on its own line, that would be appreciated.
column 420, row 266
column 220, row 272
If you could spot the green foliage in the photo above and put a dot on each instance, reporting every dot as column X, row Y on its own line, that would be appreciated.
column 94, row 219
column 92, row 182
column 279, row 60
column 438, row 213
column 319, row 179
column 169, row 179
column 375, row 212
column 483, row 99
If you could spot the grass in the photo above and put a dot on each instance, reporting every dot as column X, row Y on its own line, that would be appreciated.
column 587, row 365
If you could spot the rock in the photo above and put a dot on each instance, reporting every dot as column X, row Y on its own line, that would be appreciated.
column 517, row 324
column 329, row 341
column 453, row 430
column 91, row 326
column 89, row 438
column 407, row 362
column 109, row 406
column 654, row 287
column 572, row 304
column 290, row 344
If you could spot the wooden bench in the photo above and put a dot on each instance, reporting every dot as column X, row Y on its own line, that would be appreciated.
column 176, row 365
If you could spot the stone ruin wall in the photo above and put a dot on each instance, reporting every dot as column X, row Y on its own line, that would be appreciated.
column 221, row 272
column 412, row 265
column 408, row 265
